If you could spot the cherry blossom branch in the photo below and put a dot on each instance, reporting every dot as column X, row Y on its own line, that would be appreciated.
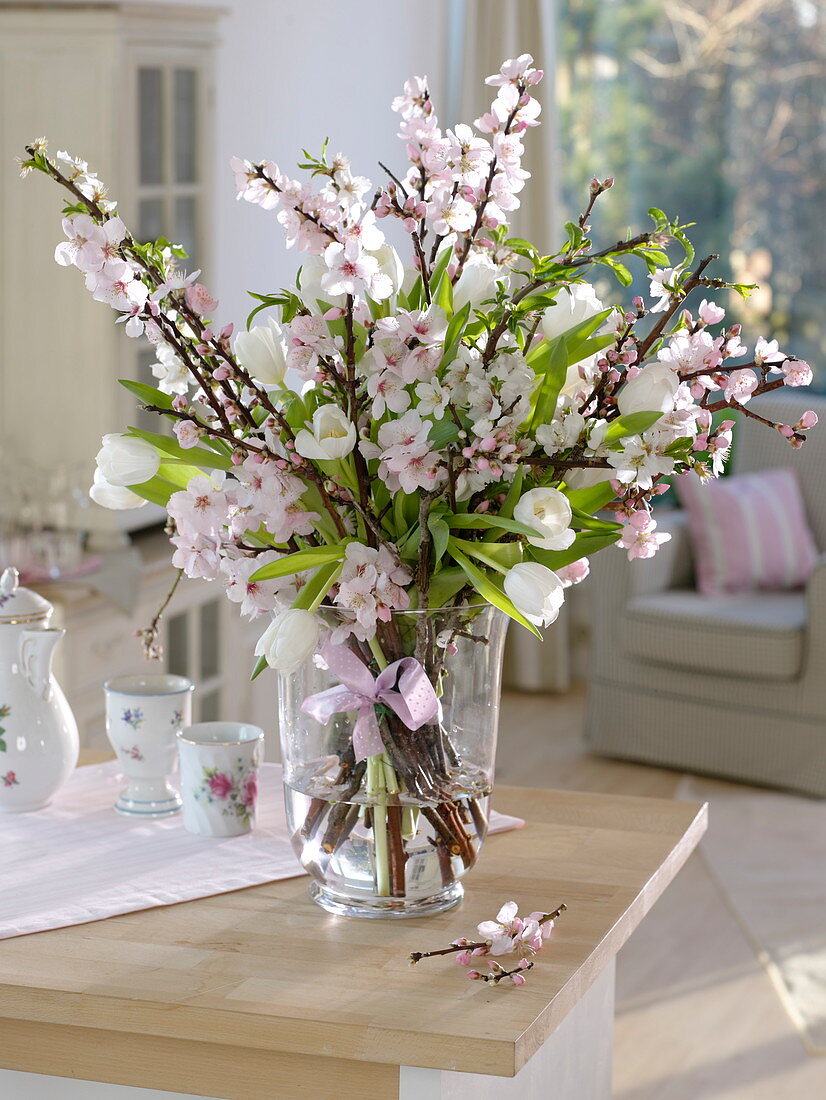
column 494, row 166
column 467, row 945
column 499, row 972
column 690, row 284
column 152, row 650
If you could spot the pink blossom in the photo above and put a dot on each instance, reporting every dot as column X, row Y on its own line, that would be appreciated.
column 187, row 433
column 220, row 785
column 740, row 385
column 662, row 283
column 574, row 573
column 515, row 70
column 518, row 979
column 766, row 351
column 201, row 508
column 710, row 313
column 199, row 299
column 198, row 555
column 797, row 372
column 640, row 537
column 807, row 420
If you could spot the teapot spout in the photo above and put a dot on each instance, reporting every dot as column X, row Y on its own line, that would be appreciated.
column 36, row 650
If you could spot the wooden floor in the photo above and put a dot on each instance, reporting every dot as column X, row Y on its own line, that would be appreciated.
column 697, row 1017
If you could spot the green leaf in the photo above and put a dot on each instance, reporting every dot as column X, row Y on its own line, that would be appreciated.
column 439, row 270
column 581, row 520
column 177, row 473
column 500, row 556
column 317, row 587
column 445, row 585
column 442, row 432
column 157, row 490
column 592, row 499
column 260, row 665
column 680, row 447
column 623, row 275
column 299, row 561
column 453, row 336
column 148, row 395
column 197, row 455
column 483, row 521
column 633, row 424
column 440, row 533
column 586, row 543
column 488, row 589
column 514, row 493
column 444, row 294
column 554, row 366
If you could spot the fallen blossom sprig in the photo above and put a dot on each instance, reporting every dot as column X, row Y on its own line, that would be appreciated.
column 508, row 934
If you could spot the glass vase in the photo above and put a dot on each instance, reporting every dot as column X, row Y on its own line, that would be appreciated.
column 392, row 835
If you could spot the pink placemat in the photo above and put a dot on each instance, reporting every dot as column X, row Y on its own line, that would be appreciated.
column 77, row 860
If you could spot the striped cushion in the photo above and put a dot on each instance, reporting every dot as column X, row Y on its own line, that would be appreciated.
column 748, row 531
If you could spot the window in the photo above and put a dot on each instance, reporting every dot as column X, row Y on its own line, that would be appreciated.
column 169, row 184
column 170, row 187
column 712, row 110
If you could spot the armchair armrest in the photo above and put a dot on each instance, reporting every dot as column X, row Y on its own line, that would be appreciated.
column 816, row 613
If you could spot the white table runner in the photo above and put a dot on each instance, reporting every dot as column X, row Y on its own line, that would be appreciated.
column 77, row 860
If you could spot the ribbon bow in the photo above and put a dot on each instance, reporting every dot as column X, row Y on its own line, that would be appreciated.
column 414, row 702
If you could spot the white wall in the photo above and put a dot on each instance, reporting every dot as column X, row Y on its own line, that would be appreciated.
column 290, row 73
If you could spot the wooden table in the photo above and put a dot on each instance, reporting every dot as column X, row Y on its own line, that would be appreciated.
column 258, row 994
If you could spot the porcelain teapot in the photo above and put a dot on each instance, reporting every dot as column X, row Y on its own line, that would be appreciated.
column 38, row 733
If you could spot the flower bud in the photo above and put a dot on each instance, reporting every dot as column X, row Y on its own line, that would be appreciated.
column 535, row 591
column 289, row 640
column 333, row 435
column 125, row 460
column 548, row 512
column 263, row 353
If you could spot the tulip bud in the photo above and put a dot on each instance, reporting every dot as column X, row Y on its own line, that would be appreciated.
column 126, row 460
column 289, row 640
column 263, row 353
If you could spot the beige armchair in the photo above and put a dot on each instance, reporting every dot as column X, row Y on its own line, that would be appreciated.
column 729, row 685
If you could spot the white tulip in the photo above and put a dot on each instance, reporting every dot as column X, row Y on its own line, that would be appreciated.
column 333, row 435
column 125, row 460
column 535, row 591
column 549, row 513
column 477, row 282
column 652, row 390
column 115, row 497
column 289, row 640
column 573, row 305
column 390, row 264
column 263, row 352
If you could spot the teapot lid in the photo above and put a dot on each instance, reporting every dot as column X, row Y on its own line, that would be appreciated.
column 20, row 605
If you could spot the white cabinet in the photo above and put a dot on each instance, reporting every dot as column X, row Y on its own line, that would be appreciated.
column 129, row 87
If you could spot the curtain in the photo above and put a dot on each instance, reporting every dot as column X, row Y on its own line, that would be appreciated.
column 483, row 34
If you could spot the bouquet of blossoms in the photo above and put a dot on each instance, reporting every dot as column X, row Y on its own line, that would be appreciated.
column 401, row 447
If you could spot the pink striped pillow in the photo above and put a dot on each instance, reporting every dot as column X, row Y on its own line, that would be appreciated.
column 748, row 531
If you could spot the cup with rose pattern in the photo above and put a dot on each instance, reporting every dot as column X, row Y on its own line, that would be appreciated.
column 143, row 715
column 219, row 776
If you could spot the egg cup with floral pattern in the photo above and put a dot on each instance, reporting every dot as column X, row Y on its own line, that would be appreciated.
column 219, row 776
column 143, row 716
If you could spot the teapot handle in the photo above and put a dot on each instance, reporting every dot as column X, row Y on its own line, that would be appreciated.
column 36, row 648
